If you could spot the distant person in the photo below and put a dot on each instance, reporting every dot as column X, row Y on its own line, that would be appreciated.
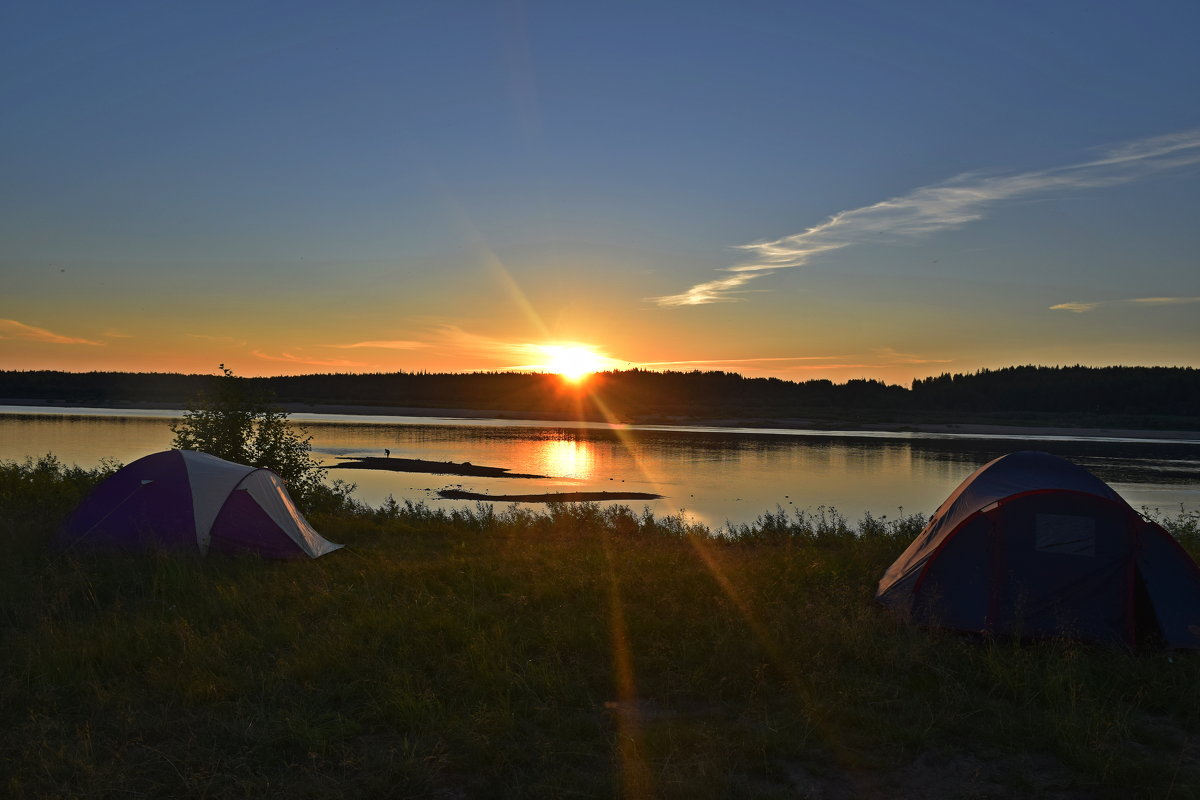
column 387, row 453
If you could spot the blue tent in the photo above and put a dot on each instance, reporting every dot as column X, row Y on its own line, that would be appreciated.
column 1033, row 545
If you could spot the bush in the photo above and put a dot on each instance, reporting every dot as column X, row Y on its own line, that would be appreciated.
column 45, row 486
column 235, row 422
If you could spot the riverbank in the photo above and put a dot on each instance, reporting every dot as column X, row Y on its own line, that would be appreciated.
column 899, row 427
column 1024, row 431
column 577, row 652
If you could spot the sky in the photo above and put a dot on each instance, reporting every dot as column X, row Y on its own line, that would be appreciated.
column 794, row 189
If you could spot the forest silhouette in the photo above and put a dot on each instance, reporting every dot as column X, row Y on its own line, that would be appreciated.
column 1147, row 396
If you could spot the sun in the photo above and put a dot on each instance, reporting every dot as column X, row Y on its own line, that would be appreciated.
column 573, row 362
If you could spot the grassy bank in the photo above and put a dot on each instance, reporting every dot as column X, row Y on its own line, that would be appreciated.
column 578, row 651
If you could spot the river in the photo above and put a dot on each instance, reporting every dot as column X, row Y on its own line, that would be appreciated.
column 712, row 476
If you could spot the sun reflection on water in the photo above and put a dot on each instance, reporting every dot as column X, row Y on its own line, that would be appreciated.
column 565, row 458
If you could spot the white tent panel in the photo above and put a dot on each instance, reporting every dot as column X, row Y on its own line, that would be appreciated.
column 211, row 479
column 268, row 491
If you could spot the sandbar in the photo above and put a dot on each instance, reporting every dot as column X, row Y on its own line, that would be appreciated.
column 432, row 467
column 550, row 497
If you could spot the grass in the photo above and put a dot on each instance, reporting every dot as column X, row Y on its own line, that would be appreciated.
column 580, row 651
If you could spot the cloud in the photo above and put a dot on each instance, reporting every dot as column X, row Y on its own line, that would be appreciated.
column 740, row 365
column 734, row 361
column 718, row 291
column 384, row 345
column 499, row 354
column 288, row 358
column 893, row 357
column 530, row 356
column 930, row 209
column 448, row 340
column 453, row 339
column 1164, row 301
column 11, row 329
column 1079, row 308
column 881, row 357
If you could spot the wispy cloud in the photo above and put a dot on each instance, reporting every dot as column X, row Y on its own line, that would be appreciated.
column 453, row 339
column 382, row 345
column 735, row 361
column 12, row 329
column 746, row 365
column 1164, row 301
column 449, row 340
column 723, row 290
column 1076, row 308
column 1080, row 308
column 880, row 357
column 499, row 354
column 958, row 201
column 891, row 356
column 288, row 358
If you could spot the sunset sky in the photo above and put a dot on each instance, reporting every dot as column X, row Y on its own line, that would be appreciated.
column 799, row 189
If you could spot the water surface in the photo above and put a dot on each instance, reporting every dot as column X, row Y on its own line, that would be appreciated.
column 710, row 475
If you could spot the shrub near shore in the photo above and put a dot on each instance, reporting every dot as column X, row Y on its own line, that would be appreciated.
column 577, row 651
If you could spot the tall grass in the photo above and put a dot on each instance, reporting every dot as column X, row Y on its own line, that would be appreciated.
column 577, row 651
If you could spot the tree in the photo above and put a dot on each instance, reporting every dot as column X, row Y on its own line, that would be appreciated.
column 238, row 423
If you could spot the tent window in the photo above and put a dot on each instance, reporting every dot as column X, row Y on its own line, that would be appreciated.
column 1065, row 534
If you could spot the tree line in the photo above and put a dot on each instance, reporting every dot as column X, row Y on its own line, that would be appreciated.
column 649, row 396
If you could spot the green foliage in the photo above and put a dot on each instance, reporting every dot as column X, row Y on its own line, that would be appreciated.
column 45, row 486
column 238, row 422
column 1184, row 525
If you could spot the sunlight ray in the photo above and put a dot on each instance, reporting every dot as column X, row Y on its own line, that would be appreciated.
column 628, row 440
column 636, row 779
column 796, row 679
column 514, row 290
column 493, row 263
column 521, row 301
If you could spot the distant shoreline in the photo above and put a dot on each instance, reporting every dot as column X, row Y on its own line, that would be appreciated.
column 832, row 426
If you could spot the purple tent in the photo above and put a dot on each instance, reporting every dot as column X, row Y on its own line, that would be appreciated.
column 187, row 500
column 1033, row 545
